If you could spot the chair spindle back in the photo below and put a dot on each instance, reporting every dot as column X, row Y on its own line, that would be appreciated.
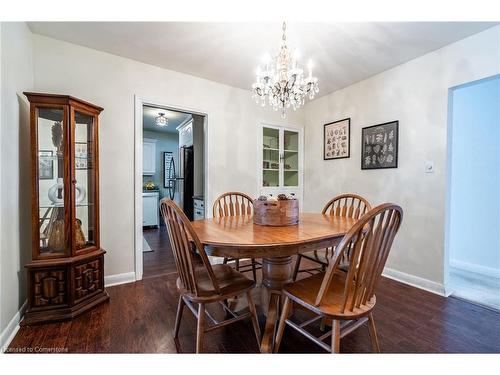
column 368, row 244
column 231, row 204
column 181, row 235
column 347, row 205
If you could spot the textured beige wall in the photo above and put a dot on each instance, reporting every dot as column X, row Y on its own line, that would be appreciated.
column 15, row 233
column 416, row 94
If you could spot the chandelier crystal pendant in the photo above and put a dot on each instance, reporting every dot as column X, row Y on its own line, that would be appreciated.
column 161, row 120
column 281, row 81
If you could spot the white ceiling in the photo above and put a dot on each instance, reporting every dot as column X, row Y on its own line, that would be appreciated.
column 342, row 53
column 174, row 119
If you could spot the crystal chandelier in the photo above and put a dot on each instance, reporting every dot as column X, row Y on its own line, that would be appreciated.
column 161, row 120
column 282, row 82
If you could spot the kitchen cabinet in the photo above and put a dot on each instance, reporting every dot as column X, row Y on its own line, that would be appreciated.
column 150, row 209
column 199, row 208
column 148, row 156
column 186, row 134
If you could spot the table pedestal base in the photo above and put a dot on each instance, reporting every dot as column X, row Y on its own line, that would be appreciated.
column 276, row 273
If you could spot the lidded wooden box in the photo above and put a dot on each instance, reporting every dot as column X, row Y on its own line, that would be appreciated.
column 279, row 213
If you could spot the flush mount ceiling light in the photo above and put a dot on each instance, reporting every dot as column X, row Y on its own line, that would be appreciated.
column 281, row 81
column 161, row 120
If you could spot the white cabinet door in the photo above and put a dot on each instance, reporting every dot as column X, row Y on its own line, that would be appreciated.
column 150, row 209
column 149, row 156
column 186, row 135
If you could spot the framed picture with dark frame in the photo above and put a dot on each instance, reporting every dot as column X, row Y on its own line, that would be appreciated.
column 168, row 169
column 337, row 139
column 45, row 165
column 81, row 156
column 379, row 146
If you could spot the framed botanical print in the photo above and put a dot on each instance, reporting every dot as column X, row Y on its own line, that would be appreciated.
column 337, row 139
column 45, row 165
column 81, row 155
column 380, row 146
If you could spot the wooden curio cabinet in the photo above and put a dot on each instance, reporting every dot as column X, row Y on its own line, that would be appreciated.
column 66, row 274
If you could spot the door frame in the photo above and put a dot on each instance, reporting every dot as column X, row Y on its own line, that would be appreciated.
column 448, row 182
column 139, row 102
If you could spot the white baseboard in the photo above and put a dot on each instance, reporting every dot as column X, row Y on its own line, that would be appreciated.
column 469, row 267
column 10, row 331
column 417, row 282
column 121, row 278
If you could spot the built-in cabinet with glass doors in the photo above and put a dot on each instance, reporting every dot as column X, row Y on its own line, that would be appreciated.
column 66, row 274
column 281, row 160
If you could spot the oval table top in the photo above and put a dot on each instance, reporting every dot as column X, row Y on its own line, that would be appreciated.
column 239, row 237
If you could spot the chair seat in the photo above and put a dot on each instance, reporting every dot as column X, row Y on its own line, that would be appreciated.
column 320, row 256
column 304, row 292
column 323, row 257
column 231, row 282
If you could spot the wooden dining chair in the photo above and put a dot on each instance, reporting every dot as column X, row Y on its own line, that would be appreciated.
column 206, row 284
column 346, row 300
column 345, row 205
column 231, row 204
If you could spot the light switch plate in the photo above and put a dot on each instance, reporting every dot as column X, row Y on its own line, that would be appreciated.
column 429, row 167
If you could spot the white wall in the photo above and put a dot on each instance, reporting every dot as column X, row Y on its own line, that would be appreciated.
column 15, row 232
column 475, row 178
column 414, row 93
column 111, row 82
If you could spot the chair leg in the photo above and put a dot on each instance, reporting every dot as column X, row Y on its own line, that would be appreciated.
column 178, row 317
column 255, row 321
column 281, row 326
column 296, row 269
column 254, row 270
column 237, row 261
column 373, row 333
column 200, row 329
column 322, row 324
column 335, row 336
column 224, row 261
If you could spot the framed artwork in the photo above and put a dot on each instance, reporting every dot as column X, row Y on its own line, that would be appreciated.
column 168, row 169
column 380, row 146
column 337, row 140
column 81, row 155
column 45, row 165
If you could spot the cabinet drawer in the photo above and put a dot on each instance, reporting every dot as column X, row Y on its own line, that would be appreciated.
column 199, row 214
column 199, row 204
column 150, row 210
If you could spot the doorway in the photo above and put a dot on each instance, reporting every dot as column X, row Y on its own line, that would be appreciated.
column 170, row 154
column 473, row 212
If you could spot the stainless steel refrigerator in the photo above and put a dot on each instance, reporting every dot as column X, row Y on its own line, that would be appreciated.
column 185, row 180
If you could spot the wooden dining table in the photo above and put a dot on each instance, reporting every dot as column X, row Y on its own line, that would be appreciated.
column 238, row 237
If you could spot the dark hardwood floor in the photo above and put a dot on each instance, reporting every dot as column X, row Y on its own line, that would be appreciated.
column 159, row 261
column 139, row 318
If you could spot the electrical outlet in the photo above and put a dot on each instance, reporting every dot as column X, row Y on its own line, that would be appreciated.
column 429, row 167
